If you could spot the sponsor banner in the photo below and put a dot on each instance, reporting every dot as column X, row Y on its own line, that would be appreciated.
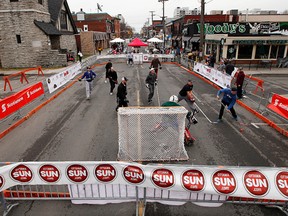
column 219, row 78
column 58, row 80
column 247, row 182
column 146, row 57
column 16, row 101
column 279, row 104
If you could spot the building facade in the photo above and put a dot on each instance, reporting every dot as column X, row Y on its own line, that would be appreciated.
column 95, row 31
column 35, row 32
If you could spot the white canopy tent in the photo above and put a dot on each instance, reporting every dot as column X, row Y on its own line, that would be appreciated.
column 155, row 40
column 117, row 40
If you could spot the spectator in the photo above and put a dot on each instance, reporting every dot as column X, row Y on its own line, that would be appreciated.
column 229, row 68
column 239, row 82
column 80, row 55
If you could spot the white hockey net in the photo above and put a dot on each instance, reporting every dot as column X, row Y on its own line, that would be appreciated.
column 151, row 134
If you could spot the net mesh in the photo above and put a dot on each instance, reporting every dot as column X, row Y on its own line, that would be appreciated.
column 151, row 134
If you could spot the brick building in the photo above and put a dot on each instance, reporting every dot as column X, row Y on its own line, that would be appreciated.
column 35, row 32
column 95, row 30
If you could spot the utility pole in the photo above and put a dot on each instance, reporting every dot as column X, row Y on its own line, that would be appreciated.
column 202, row 26
column 163, row 19
column 152, row 15
column 148, row 28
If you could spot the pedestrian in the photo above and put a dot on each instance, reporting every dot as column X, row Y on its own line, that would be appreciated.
column 112, row 75
column 151, row 83
column 100, row 50
column 122, row 94
column 229, row 99
column 80, row 55
column 239, row 82
column 89, row 76
column 155, row 63
column 107, row 68
column 186, row 94
column 211, row 61
column 221, row 66
column 229, row 68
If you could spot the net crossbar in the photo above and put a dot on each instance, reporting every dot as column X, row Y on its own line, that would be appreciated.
column 151, row 134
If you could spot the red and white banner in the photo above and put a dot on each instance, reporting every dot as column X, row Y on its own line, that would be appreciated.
column 58, row 80
column 219, row 78
column 247, row 182
column 279, row 104
column 14, row 102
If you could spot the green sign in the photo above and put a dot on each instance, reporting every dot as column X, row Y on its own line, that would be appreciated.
column 224, row 28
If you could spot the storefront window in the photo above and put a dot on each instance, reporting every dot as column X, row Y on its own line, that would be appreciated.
column 245, row 51
column 262, row 51
column 281, row 51
column 277, row 51
column 208, row 49
column 231, row 52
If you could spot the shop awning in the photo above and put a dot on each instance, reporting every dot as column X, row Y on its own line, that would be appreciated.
column 195, row 39
column 186, row 38
column 268, row 42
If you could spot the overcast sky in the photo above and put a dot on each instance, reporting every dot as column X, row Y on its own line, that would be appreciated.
column 136, row 12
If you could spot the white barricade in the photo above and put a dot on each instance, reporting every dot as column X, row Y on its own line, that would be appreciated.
column 58, row 80
column 247, row 182
column 219, row 78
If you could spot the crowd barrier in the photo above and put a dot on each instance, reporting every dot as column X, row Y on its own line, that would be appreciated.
column 22, row 76
column 117, row 182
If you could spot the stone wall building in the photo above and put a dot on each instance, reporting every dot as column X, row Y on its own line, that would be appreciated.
column 36, row 32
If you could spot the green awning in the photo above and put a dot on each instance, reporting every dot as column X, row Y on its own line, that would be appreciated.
column 252, row 42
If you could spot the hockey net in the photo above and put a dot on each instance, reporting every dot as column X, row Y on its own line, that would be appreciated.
column 151, row 134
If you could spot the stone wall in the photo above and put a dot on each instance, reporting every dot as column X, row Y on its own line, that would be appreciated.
column 35, row 46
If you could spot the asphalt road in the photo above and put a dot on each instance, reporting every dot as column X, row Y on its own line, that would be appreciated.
column 72, row 128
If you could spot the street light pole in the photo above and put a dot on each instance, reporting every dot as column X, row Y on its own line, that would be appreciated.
column 163, row 19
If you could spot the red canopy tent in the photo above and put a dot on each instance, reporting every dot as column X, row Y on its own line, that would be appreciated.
column 137, row 43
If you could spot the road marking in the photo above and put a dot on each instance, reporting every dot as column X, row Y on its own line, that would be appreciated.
column 254, row 124
column 265, row 124
column 203, row 113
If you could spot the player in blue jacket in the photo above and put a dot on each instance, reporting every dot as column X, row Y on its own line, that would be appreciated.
column 89, row 76
column 228, row 99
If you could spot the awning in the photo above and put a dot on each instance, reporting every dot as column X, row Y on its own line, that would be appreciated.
column 186, row 38
column 195, row 39
column 260, row 42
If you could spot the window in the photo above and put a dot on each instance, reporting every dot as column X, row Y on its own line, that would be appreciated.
column 262, row 51
column 18, row 38
column 63, row 20
column 14, row 0
column 40, row 2
column 245, row 51
column 231, row 52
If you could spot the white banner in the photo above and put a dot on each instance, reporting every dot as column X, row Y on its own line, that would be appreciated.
column 219, row 78
column 247, row 182
column 56, row 81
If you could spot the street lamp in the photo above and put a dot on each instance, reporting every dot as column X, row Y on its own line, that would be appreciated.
column 163, row 19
